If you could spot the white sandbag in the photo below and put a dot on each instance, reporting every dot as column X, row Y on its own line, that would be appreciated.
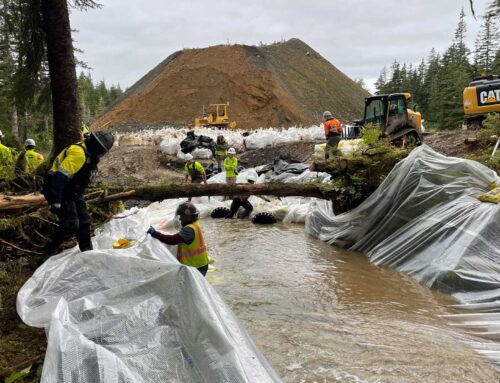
column 170, row 146
column 202, row 154
column 349, row 146
column 181, row 155
column 319, row 151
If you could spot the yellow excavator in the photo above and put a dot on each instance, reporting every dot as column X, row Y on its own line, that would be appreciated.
column 216, row 117
column 392, row 114
column 481, row 97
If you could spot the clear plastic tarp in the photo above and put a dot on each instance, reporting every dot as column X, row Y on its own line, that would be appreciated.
column 136, row 314
column 425, row 220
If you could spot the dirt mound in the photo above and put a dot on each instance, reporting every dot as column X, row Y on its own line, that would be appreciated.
column 451, row 143
column 283, row 84
column 135, row 165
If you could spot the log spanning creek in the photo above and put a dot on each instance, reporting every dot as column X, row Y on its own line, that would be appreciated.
column 324, row 314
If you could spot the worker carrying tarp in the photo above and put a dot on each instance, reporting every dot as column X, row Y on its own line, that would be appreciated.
column 333, row 133
column 191, row 247
column 231, row 166
column 65, row 183
column 29, row 160
column 6, row 163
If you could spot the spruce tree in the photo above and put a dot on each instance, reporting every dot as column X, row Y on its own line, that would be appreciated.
column 454, row 75
column 487, row 45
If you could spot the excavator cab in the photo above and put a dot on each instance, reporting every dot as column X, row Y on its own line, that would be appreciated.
column 391, row 113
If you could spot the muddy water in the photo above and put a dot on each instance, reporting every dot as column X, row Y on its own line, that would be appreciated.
column 323, row 314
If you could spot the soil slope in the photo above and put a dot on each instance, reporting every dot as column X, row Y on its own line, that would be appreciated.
column 283, row 84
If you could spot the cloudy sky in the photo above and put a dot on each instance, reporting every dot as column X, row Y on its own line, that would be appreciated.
column 126, row 38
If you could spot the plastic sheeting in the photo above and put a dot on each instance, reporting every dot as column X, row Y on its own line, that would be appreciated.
column 136, row 314
column 425, row 220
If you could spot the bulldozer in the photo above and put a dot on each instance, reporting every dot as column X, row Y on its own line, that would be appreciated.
column 481, row 97
column 392, row 114
column 216, row 117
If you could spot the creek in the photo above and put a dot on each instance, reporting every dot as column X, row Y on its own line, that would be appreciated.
column 320, row 313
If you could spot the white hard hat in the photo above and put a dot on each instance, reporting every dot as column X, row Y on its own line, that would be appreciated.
column 327, row 114
column 29, row 142
column 188, row 157
column 231, row 151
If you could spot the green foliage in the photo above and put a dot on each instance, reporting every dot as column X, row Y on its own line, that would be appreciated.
column 17, row 375
column 437, row 83
column 370, row 135
column 25, row 93
column 492, row 123
column 94, row 98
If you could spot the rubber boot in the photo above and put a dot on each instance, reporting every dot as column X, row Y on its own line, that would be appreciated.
column 83, row 237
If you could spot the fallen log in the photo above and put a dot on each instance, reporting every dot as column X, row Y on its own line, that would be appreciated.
column 9, row 204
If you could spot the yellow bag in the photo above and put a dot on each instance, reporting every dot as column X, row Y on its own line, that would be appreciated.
column 492, row 196
column 123, row 243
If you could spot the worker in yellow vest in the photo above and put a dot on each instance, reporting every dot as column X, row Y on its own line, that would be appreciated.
column 6, row 162
column 221, row 147
column 195, row 170
column 191, row 247
column 231, row 166
column 33, row 159
column 64, row 186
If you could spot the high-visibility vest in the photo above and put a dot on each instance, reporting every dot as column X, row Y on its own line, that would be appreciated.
column 221, row 148
column 231, row 165
column 33, row 159
column 195, row 254
column 75, row 163
column 194, row 169
column 6, row 163
column 332, row 128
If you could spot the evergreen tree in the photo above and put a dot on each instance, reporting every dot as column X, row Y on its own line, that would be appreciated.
column 487, row 45
column 454, row 75
column 381, row 81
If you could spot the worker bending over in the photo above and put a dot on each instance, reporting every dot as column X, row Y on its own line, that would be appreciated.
column 191, row 248
column 194, row 170
column 333, row 133
column 220, row 151
column 241, row 202
column 65, row 183
column 31, row 158
column 231, row 166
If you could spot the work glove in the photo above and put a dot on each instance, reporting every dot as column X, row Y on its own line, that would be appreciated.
column 151, row 230
column 55, row 208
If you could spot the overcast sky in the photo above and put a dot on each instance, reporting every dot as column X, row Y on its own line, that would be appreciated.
column 127, row 38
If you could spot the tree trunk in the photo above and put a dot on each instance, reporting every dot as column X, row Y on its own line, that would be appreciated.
column 46, row 124
column 11, row 204
column 15, row 123
column 62, row 68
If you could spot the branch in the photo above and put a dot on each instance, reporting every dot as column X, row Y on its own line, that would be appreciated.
column 472, row 8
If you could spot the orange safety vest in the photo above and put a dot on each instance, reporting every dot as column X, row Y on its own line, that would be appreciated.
column 195, row 254
column 332, row 128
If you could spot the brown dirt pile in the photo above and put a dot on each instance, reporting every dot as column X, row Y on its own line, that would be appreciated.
column 451, row 143
column 134, row 165
column 283, row 84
